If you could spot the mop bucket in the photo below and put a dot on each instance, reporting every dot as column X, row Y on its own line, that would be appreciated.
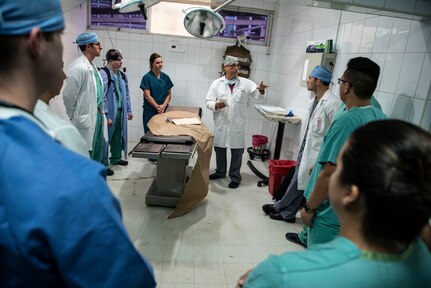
column 259, row 148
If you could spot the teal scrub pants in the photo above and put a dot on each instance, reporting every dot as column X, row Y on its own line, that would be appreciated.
column 116, row 141
column 98, row 141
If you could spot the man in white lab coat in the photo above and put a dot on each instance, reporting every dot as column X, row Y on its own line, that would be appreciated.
column 83, row 96
column 228, row 98
column 322, row 110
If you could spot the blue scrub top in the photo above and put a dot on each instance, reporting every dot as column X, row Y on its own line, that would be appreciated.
column 60, row 225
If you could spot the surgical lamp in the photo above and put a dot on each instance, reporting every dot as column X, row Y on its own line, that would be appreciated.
column 127, row 6
column 204, row 22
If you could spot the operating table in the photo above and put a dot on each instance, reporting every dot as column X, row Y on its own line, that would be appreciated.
column 172, row 154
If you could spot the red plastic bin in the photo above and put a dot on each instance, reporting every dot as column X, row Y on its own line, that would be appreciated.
column 278, row 169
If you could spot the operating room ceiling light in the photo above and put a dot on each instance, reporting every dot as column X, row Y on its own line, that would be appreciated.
column 127, row 6
column 204, row 22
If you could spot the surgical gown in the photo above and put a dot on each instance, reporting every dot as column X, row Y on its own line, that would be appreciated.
column 60, row 226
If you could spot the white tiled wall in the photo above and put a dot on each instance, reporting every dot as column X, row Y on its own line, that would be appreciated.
column 401, row 47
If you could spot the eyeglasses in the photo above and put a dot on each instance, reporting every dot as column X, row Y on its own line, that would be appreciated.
column 344, row 81
column 234, row 65
column 97, row 44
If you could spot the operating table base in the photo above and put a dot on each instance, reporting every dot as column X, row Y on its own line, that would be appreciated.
column 157, row 197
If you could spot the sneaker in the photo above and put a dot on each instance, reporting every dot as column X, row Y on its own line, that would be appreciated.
column 109, row 172
column 268, row 208
column 122, row 163
column 216, row 176
column 153, row 161
column 294, row 238
column 233, row 185
column 277, row 216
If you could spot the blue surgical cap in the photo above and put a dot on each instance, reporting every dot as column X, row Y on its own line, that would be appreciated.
column 322, row 73
column 86, row 38
column 19, row 17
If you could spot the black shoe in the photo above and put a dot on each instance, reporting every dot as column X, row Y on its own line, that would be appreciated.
column 122, row 163
column 294, row 238
column 268, row 208
column 277, row 216
column 233, row 185
column 153, row 161
column 216, row 176
column 109, row 172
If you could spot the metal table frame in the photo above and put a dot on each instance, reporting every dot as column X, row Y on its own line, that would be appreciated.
column 282, row 120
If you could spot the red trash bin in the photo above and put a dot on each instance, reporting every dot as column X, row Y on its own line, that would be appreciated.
column 278, row 169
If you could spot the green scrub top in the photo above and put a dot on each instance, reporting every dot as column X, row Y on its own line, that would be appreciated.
column 325, row 224
column 342, row 109
column 340, row 263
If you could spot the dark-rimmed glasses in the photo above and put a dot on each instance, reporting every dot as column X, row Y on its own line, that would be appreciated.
column 344, row 81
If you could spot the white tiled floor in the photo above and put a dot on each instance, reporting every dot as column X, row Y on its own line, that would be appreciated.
column 212, row 245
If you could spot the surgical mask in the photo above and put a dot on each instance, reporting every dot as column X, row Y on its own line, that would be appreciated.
column 231, row 81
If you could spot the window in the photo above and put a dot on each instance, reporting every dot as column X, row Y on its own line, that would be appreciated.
column 102, row 15
column 238, row 23
column 168, row 17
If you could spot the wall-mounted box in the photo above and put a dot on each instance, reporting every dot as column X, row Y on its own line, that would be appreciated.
column 177, row 46
column 311, row 60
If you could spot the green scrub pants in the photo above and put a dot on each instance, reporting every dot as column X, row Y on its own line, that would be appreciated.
column 116, row 141
column 98, row 141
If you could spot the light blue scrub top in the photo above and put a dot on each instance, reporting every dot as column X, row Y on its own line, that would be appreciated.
column 325, row 223
column 60, row 225
column 341, row 264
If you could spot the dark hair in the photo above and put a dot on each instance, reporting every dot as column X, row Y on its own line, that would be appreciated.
column 390, row 162
column 363, row 64
column 363, row 74
column 113, row 55
column 9, row 51
column 325, row 83
column 82, row 47
column 153, row 58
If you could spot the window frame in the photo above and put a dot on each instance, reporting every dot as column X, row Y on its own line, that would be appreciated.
column 268, row 13
column 268, row 32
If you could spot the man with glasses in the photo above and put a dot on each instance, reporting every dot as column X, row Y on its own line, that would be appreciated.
column 322, row 109
column 83, row 97
column 117, row 107
column 375, row 71
column 357, row 85
column 228, row 98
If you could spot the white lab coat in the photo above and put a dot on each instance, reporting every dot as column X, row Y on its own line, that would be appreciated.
column 229, row 122
column 63, row 131
column 80, row 98
column 320, row 121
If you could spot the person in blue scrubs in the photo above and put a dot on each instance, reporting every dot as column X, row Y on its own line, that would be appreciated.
column 382, row 175
column 156, row 86
column 60, row 225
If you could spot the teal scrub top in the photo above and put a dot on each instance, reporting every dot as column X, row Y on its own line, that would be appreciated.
column 340, row 263
column 342, row 109
column 159, row 88
column 337, row 135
